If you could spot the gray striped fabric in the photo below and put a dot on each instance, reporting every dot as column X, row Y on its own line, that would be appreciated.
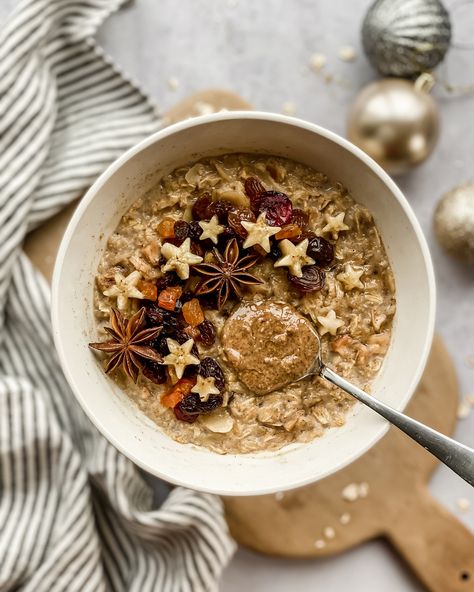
column 74, row 513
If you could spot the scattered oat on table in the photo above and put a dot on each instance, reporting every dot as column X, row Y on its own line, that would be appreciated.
column 464, row 408
column 279, row 495
column 317, row 62
column 288, row 108
column 329, row 532
column 347, row 53
column 320, row 544
column 173, row 83
column 463, row 504
column 203, row 108
column 345, row 518
column 354, row 491
column 363, row 489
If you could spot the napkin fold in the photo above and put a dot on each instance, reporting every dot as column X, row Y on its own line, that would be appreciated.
column 74, row 513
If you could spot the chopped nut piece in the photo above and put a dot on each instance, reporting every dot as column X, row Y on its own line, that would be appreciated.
column 152, row 252
column 350, row 277
column 330, row 323
column 219, row 421
column 205, row 387
column 335, row 225
column 179, row 258
column 211, row 229
column 294, row 256
column 125, row 288
column 259, row 233
column 180, row 356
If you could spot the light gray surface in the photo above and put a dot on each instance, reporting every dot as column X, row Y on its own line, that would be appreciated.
column 261, row 50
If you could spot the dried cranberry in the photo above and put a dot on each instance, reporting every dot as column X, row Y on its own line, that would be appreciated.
column 182, row 415
column 320, row 250
column 181, row 230
column 312, row 279
column 300, row 218
column 254, row 190
column 277, row 207
column 192, row 404
column 236, row 218
column 200, row 206
column 154, row 372
column 194, row 231
column 220, row 208
column 209, row 367
column 207, row 333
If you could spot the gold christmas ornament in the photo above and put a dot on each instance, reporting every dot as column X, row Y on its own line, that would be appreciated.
column 454, row 222
column 395, row 122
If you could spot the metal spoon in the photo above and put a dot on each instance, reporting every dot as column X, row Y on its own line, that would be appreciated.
column 456, row 456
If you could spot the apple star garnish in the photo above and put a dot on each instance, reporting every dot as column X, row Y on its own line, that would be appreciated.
column 179, row 258
column 294, row 256
column 180, row 356
column 330, row 323
column 259, row 233
column 125, row 288
column 335, row 225
column 211, row 229
column 350, row 277
column 205, row 387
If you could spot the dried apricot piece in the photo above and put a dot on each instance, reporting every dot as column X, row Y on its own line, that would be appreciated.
column 288, row 231
column 192, row 312
column 148, row 289
column 169, row 296
column 166, row 228
column 177, row 393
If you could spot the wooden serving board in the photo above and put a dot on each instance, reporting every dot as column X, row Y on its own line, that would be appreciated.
column 398, row 506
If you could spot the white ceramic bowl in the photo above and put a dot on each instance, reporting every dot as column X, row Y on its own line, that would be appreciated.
column 98, row 215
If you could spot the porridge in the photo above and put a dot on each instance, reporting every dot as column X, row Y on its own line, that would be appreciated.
column 209, row 292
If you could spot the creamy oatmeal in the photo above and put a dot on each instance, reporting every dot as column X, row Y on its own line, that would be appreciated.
column 209, row 291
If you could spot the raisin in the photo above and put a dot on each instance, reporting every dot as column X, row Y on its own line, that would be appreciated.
column 220, row 208
column 207, row 333
column 300, row 218
column 194, row 231
column 200, row 207
column 275, row 252
column 192, row 404
column 236, row 218
column 181, row 230
column 197, row 249
column 156, row 316
column 209, row 367
column 320, row 250
column 254, row 190
column 277, row 207
column 182, row 416
column 154, row 372
column 312, row 279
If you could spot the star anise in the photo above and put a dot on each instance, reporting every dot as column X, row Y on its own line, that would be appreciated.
column 228, row 274
column 128, row 345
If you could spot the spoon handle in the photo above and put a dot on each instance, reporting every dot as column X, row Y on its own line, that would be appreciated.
column 456, row 456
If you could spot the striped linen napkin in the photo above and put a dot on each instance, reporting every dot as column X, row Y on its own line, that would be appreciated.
column 74, row 513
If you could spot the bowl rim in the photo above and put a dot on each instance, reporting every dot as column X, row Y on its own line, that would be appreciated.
column 157, row 136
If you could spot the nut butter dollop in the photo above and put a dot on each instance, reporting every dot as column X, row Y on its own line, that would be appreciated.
column 269, row 344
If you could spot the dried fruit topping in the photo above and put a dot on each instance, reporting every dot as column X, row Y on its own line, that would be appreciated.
column 200, row 206
column 312, row 279
column 177, row 393
column 228, row 274
column 254, row 190
column 154, row 372
column 160, row 317
column 288, row 231
column 277, row 207
column 192, row 404
column 182, row 416
column 197, row 249
column 194, row 231
column 235, row 219
column 181, row 230
column 300, row 218
column 168, row 298
column 220, row 208
column 209, row 367
column 148, row 289
column 275, row 252
column 320, row 250
column 166, row 228
column 192, row 312
column 192, row 332
column 207, row 333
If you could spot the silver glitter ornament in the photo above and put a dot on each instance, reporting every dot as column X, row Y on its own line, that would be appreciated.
column 406, row 37
column 454, row 222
